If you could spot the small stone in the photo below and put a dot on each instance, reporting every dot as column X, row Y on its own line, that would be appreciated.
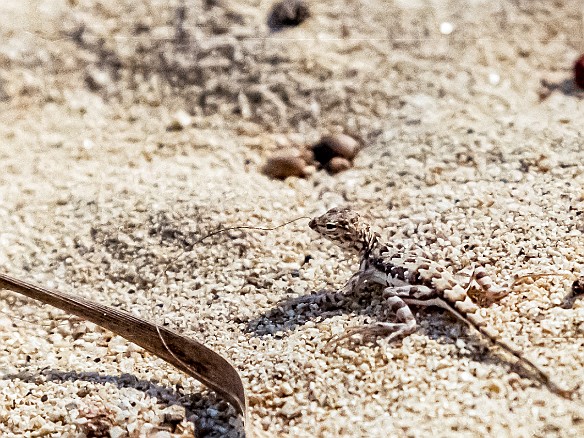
column 288, row 13
column 330, row 146
column 579, row 72
column 460, row 344
column 309, row 170
column 244, row 106
column 174, row 414
column 286, row 389
column 290, row 409
column 53, row 140
column 116, row 432
column 97, row 80
column 87, row 144
column 83, row 392
column 180, row 120
column 446, row 28
column 494, row 78
column 493, row 386
column 285, row 163
column 338, row 164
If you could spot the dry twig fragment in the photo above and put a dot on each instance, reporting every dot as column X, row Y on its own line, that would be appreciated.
column 184, row 353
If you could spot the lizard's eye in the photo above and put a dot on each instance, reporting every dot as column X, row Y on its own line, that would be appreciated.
column 330, row 226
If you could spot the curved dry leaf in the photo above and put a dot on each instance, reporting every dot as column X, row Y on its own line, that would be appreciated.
column 184, row 353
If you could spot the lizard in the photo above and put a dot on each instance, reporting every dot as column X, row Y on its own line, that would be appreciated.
column 413, row 278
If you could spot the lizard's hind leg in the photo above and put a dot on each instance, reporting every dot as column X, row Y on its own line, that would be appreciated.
column 491, row 292
column 406, row 323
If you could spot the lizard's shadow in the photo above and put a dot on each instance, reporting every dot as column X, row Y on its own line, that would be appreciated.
column 291, row 313
column 195, row 404
column 434, row 323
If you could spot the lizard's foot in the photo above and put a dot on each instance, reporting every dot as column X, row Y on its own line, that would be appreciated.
column 488, row 292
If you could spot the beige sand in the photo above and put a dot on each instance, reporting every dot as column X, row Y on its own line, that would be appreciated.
column 467, row 154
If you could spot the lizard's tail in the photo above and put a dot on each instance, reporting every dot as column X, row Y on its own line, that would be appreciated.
column 479, row 324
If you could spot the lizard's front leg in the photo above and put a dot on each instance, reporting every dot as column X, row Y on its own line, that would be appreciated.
column 337, row 298
column 406, row 321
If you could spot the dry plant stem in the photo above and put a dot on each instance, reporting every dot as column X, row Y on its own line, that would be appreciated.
column 184, row 353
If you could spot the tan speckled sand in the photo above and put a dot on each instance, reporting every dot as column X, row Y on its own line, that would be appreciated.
column 473, row 150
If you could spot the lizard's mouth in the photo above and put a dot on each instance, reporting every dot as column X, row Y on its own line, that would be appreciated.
column 312, row 224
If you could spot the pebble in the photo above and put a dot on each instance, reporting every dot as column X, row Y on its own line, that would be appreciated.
column 97, row 79
column 446, row 28
column 332, row 152
column 339, row 145
column 288, row 13
column 579, row 72
column 174, row 414
column 180, row 120
column 338, row 164
column 87, row 144
column 286, row 389
column 285, row 163
column 116, row 432
column 290, row 409
column 494, row 78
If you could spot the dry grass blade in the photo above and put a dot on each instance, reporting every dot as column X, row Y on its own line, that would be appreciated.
column 184, row 353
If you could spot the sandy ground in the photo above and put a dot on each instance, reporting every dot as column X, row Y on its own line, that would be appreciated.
column 473, row 150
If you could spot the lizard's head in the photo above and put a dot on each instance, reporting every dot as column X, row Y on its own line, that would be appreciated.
column 344, row 227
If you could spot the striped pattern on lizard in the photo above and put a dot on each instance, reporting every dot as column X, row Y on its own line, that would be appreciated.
column 412, row 278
